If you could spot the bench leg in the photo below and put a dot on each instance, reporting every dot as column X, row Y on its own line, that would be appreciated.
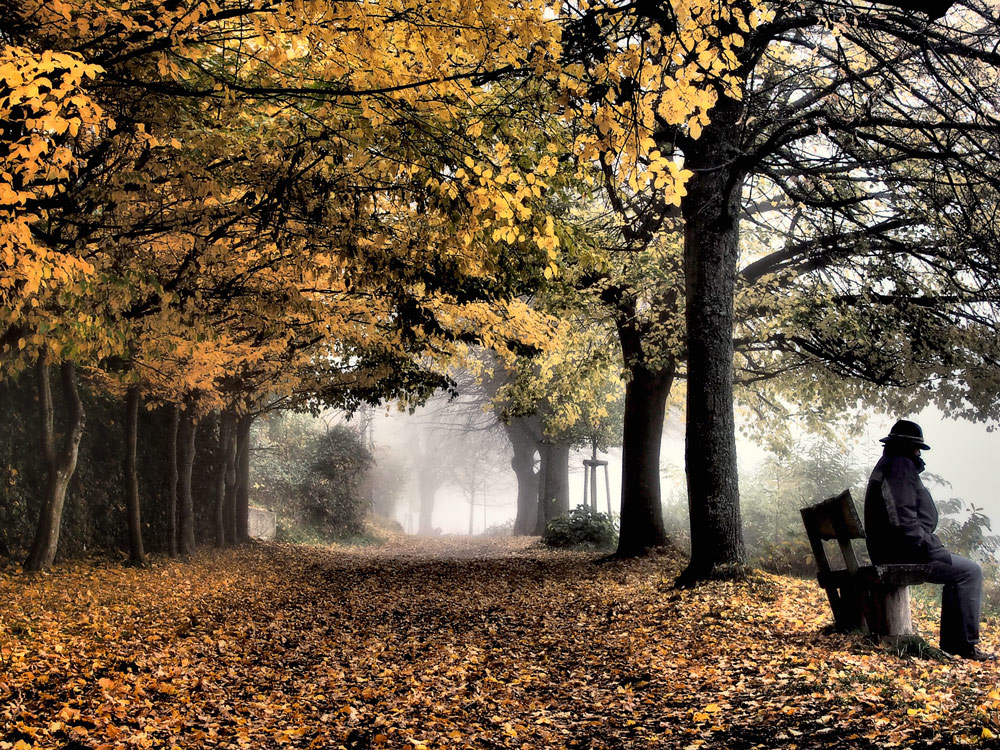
column 897, row 611
column 847, row 608
column 888, row 611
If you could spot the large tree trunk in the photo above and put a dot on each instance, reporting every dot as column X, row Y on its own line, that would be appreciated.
column 133, row 509
column 243, row 478
column 226, row 420
column 172, row 480
column 185, row 516
column 651, row 376
column 711, row 253
column 60, row 462
column 641, row 512
column 524, row 444
column 557, row 479
column 554, row 482
column 541, row 517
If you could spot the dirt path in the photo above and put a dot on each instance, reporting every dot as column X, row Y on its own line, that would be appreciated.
column 455, row 643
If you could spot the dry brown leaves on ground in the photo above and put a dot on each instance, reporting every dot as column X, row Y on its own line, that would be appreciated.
column 457, row 644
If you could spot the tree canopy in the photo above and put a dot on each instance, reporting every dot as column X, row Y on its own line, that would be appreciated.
column 229, row 205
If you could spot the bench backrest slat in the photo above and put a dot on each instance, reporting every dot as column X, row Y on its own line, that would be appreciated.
column 836, row 518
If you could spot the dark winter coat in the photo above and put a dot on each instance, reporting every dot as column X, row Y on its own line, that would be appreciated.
column 900, row 515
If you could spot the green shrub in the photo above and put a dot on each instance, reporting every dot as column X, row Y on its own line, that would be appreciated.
column 295, row 532
column 991, row 589
column 581, row 527
column 332, row 494
column 501, row 529
column 788, row 557
column 316, row 481
column 289, row 531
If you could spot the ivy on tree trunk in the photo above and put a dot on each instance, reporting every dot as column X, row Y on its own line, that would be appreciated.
column 646, row 392
column 553, row 476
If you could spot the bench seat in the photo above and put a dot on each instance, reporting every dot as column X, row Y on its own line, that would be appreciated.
column 874, row 598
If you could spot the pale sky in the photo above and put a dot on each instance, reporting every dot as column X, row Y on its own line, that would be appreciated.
column 963, row 453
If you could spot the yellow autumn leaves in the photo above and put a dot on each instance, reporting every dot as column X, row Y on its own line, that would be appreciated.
column 706, row 713
column 405, row 118
column 456, row 643
column 44, row 109
column 43, row 105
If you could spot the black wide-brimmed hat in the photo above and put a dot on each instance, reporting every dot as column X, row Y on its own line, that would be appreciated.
column 905, row 431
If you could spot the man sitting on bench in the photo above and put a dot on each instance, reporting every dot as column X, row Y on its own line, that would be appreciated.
column 900, row 518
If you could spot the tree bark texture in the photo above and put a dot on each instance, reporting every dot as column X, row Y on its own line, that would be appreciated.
column 60, row 461
column 711, row 253
column 524, row 443
column 172, row 480
column 557, row 478
column 646, row 392
column 232, row 483
column 133, row 508
column 933, row 8
column 226, row 420
column 541, row 517
column 554, row 482
column 641, row 511
column 243, row 478
column 185, row 515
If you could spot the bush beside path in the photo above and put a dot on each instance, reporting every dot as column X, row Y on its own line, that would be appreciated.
column 454, row 643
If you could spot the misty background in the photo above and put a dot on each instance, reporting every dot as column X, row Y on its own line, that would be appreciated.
column 478, row 494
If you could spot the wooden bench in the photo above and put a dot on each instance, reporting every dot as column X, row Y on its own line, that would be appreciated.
column 872, row 598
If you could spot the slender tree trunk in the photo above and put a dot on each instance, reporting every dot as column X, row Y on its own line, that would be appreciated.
column 133, row 509
column 427, row 485
column 232, row 483
column 641, row 511
column 593, row 476
column 226, row 420
column 472, row 507
column 524, row 447
column 243, row 478
column 711, row 253
column 185, row 516
column 172, row 481
column 60, row 462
